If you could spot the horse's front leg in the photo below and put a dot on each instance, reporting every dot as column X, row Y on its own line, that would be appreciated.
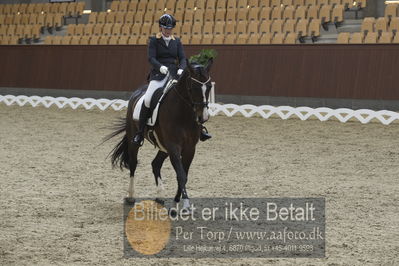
column 177, row 160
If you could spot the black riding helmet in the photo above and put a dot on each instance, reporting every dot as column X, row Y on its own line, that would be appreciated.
column 167, row 21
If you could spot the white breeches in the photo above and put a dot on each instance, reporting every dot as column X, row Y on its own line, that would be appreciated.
column 153, row 86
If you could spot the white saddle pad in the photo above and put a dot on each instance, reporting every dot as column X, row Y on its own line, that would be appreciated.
column 151, row 121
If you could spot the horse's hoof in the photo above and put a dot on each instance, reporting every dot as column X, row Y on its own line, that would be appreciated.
column 130, row 201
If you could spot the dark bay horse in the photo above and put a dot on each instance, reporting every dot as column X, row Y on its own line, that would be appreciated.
column 177, row 130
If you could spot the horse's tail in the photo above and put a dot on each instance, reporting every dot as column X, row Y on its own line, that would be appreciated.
column 120, row 153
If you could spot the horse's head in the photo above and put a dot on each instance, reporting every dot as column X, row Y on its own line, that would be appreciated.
column 199, row 87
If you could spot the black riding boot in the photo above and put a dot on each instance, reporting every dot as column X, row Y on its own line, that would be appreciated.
column 144, row 114
column 204, row 135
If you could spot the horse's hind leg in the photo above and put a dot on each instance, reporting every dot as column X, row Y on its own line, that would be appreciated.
column 156, row 170
column 133, row 150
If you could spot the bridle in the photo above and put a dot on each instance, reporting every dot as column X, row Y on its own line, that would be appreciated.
column 192, row 103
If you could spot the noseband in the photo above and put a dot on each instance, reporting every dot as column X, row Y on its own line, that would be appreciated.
column 206, row 102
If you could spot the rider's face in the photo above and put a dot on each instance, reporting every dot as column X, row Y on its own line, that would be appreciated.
column 166, row 32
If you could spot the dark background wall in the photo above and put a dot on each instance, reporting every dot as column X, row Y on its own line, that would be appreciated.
column 319, row 71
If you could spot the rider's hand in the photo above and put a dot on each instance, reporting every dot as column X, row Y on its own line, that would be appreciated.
column 163, row 70
column 179, row 72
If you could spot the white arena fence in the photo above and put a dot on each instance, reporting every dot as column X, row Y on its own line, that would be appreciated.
column 266, row 111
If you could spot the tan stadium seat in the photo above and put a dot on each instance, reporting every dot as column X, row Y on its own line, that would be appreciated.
column 110, row 17
column 338, row 13
column 14, row 8
column 7, row 9
column 323, row 2
column 314, row 28
column 71, row 29
column 160, row 5
column 278, row 38
column 126, row 29
column 230, row 28
column 221, row 4
column 103, row 40
column 288, row 12
column 253, row 13
column 289, row 26
column 179, row 16
column 230, row 39
column 101, row 16
column 84, row 40
column 189, row 16
column 290, row 39
column 123, row 40
column 170, row 5
column 57, row 40
column 196, row 29
column 135, row 30
column 66, row 40
column 302, row 28
column 132, row 6
column 394, row 25
column 253, row 38
column 80, row 6
column 277, row 26
column 265, row 13
column 371, row 37
column 265, row 38
column 196, row 39
column 277, row 12
column 113, row 40
column 242, row 4
column 93, row 18
column 242, row 14
column 148, row 17
column 13, row 40
column 120, row 17
column 347, row 3
column 63, row 9
column 38, row 8
column 21, row 20
column 41, row 19
column 142, row 6
column 176, row 30
column 231, row 15
column 209, row 16
column 33, row 19
column 123, row 6
column 264, row 3
column 54, row 8
column 218, row 39
column 200, row 5
column 16, row 20
column 298, row 3
column 391, row 11
column 274, row 3
column 265, row 26
column 116, row 29
column 231, row 4
column 335, row 2
column 2, row 18
column 300, row 13
column 381, row 25
column 325, row 13
column 155, row 29
column 151, row 6
column 313, row 12
column 142, row 40
column 94, row 40
column 310, row 2
column 242, row 38
column 19, row 31
column 11, row 30
column 107, row 30
column 253, row 3
column 253, row 27
column 287, row 2
column 129, row 18
column 199, row 16
column 361, row 3
column 9, row 20
column 88, row 29
column 46, row 8
column 185, row 39
column 386, row 37
column 139, row 17
column 180, row 5
column 34, row 31
column 132, row 40
column 79, row 29
column 396, row 39
column 368, row 24
column 220, row 15
column 190, row 5
column 208, row 27
column 356, row 38
column 242, row 27
column 58, row 20
column 207, row 38
column 146, row 29
column 48, row 40
column 219, row 27
column 98, row 29
column 210, row 5
column 185, row 30
column 3, row 30
column 75, row 40
column 343, row 37
column 29, row 10
column 49, row 20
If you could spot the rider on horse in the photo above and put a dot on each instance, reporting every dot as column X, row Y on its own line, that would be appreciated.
column 166, row 55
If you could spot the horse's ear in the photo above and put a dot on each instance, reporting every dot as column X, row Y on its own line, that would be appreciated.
column 189, row 68
column 209, row 65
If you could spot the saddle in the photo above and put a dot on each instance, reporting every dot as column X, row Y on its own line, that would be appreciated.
column 156, row 101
